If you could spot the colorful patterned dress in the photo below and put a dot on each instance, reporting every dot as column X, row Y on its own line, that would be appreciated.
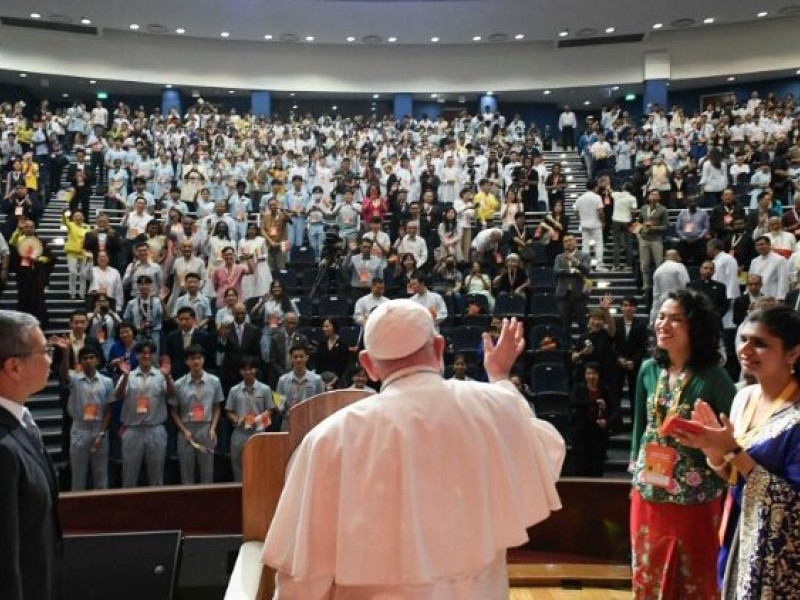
column 676, row 501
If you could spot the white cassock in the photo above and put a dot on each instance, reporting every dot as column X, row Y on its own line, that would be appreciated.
column 416, row 492
column 726, row 272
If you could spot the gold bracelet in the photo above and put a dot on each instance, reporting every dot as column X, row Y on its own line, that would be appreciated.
column 718, row 467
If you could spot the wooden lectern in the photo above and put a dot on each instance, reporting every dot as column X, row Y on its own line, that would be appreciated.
column 264, row 460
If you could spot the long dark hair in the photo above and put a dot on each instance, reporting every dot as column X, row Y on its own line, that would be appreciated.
column 782, row 322
column 704, row 331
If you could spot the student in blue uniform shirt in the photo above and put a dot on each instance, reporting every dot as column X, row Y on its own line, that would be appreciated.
column 195, row 409
column 298, row 384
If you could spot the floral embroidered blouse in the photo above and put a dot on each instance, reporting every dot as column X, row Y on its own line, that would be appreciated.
column 692, row 482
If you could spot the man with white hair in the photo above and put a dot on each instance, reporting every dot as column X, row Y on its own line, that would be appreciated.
column 419, row 490
column 671, row 275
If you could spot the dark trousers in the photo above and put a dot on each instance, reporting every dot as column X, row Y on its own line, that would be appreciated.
column 568, row 138
column 81, row 200
column 572, row 308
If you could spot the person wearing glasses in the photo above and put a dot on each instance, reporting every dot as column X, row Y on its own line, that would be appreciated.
column 29, row 528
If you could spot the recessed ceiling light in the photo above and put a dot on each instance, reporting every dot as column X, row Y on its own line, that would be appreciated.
column 731, row 78
column 490, row 93
column 180, row 31
column 392, row 40
column 564, row 33
column 519, row 36
column 762, row 14
column 436, row 95
column 65, row 95
column 546, row 92
column 587, row 102
column 658, row 25
column 309, row 38
column 294, row 106
column 376, row 96
column 86, row 21
column 36, row 16
column 610, row 29
column 797, row 72
column 434, row 39
column 350, row 38
column 92, row 81
column 615, row 88
column 708, row 20
column 168, row 86
column 133, row 26
column 334, row 107
column 231, row 92
column 225, row 34
column 268, row 36
column 476, row 38
column 291, row 95
column 23, row 75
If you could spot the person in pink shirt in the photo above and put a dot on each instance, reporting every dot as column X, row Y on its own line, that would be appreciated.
column 230, row 274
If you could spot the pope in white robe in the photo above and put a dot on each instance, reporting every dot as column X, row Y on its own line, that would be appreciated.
column 418, row 491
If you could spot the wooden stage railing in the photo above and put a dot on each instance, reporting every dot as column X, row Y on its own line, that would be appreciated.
column 592, row 524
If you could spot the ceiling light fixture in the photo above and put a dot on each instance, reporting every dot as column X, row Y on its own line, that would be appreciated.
column 86, row 21
column 133, row 26
column 291, row 95
column 334, row 107
column 762, row 14
column 392, row 40
column 65, row 95
column 225, row 34
column 708, row 20
column 436, row 95
column 434, row 39
column 350, row 38
column 587, row 102
column 231, row 92
column 731, row 78
column 657, row 25
column 519, row 36
column 92, row 81
column 610, row 29
column 268, row 36
column 563, row 33
column 546, row 92
column 168, row 86
column 23, row 75
column 615, row 88
column 490, row 93
column 376, row 96
column 36, row 16
column 309, row 38
column 180, row 31
column 476, row 38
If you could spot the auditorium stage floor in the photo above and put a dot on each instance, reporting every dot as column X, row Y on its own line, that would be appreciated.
column 557, row 593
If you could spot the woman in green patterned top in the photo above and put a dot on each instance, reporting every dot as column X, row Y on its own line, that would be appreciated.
column 676, row 500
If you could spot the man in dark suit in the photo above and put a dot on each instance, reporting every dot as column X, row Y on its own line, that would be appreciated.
column 714, row 290
column 571, row 268
column 630, row 344
column 284, row 339
column 30, row 534
column 740, row 243
column 187, row 335
column 104, row 237
column 237, row 340
column 742, row 304
column 81, row 178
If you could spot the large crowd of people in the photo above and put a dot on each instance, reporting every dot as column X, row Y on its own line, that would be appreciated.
column 237, row 259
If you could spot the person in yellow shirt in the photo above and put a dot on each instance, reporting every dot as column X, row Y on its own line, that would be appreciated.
column 31, row 172
column 486, row 204
column 76, row 255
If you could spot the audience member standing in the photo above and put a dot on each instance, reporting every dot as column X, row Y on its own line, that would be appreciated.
column 571, row 269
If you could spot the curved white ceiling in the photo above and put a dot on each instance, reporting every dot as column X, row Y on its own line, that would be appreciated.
column 410, row 21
